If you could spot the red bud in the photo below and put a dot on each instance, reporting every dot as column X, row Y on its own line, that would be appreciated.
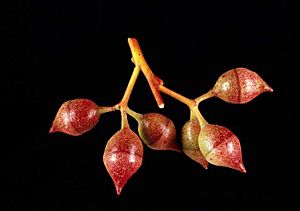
column 189, row 138
column 123, row 156
column 240, row 85
column 221, row 147
column 158, row 132
column 76, row 117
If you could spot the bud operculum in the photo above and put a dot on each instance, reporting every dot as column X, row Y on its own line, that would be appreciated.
column 221, row 147
column 123, row 156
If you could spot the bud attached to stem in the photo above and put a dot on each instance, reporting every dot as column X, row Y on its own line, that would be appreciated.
column 76, row 117
column 123, row 156
column 221, row 147
column 239, row 86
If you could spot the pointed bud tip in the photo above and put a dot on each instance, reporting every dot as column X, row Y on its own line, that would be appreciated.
column 242, row 168
column 268, row 88
column 119, row 190
column 52, row 130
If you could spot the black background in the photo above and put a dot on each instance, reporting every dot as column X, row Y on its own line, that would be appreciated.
column 54, row 51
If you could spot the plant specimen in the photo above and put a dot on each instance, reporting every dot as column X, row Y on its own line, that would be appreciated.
column 201, row 141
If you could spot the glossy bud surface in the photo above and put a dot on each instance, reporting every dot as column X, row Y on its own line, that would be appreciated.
column 221, row 147
column 123, row 156
column 76, row 117
column 158, row 132
column 239, row 86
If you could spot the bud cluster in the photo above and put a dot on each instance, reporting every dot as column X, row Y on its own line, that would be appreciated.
column 201, row 141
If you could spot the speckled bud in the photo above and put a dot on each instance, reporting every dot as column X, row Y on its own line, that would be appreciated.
column 221, row 147
column 123, row 156
column 240, row 85
column 158, row 132
column 189, row 138
column 76, row 117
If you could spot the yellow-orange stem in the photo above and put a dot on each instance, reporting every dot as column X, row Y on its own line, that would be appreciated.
column 124, row 120
column 139, row 60
column 190, row 103
column 199, row 116
column 130, row 86
column 124, row 102
column 193, row 106
column 205, row 96
column 106, row 109
column 135, row 115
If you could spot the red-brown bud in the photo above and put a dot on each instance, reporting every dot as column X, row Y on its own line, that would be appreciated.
column 123, row 156
column 158, row 132
column 221, row 147
column 189, row 138
column 240, row 85
column 76, row 117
